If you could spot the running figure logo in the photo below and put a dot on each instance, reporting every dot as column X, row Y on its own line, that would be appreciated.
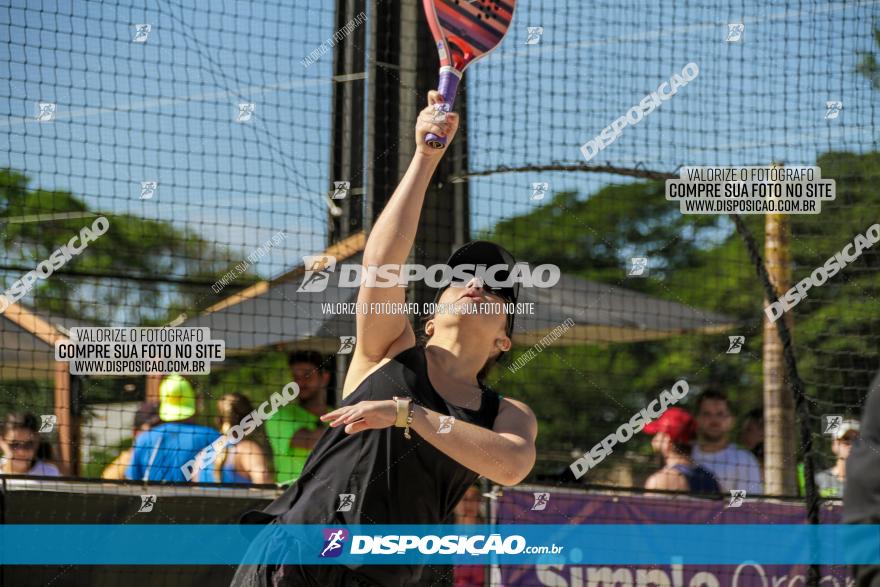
column 440, row 111
column 736, row 344
column 333, row 539
column 832, row 109
column 148, row 189
column 736, row 498
column 541, row 501
column 147, row 503
column 141, row 32
column 346, row 501
column 831, row 423
column 340, row 189
column 346, row 345
column 534, row 36
column 639, row 264
column 46, row 112
column 47, row 422
column 245, row 112
column 446, row 423
column 539, row 189
column 318, row 270
column 735, row 32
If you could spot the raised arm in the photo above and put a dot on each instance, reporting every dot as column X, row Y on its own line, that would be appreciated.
column 393, row 234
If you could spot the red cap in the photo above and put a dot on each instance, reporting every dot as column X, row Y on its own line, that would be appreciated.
column 675, row 422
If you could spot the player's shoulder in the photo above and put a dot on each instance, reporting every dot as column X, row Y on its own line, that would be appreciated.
column 510, row 403
column 515, row 411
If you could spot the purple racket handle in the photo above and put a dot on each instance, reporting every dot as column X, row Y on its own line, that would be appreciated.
column 447, row 87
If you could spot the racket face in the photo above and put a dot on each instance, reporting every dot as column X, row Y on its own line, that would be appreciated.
column 466, row 30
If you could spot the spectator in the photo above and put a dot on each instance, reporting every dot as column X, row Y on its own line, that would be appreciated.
column 20, row 444
column 244, row 462
column 159, row 453
column 146, row 417
column 673, row 440
column 295, row 429
column 751, row 436
column 733, row 467
column 861, row 497
column 830, row 482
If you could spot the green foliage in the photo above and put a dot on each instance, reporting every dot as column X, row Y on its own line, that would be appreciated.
column 582, row 393
column 868, row 66
column 122, row 274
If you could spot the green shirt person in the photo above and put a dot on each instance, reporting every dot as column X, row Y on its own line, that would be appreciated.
column 295, row 429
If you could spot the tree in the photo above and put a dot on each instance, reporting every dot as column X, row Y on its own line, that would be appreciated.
column 141, row 271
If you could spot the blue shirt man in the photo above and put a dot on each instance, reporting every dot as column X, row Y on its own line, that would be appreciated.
column 160, row 453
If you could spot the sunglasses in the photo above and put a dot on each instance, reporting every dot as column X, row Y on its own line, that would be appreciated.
column 19, row 445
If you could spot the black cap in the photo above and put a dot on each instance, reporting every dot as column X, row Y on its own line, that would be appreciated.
column 488, row 254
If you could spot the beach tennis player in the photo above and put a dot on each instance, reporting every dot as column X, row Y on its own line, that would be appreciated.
column 391, row 450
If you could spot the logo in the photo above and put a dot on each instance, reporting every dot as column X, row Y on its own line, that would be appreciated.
column 832, row 109
column 346, row 345
column 446, row 423
column 441, row 50
column 346, row 502
column 46, row 112
column 541, row 501
column 627, row 430
column 736, row 344
column 47, row 422
column 735, row 32
column 76, row 245
column 534, row 36
column 539, row 189
column 832, row 266
column 664, row 92
column 340, row 189
column 638, row 266
column 147, row 503
column 319, row 267
column 333, row 539
column 148, row 189
column 831, row 424
column 440, row 111
column 317, row 275
column 245, row 112
column 208, row 455
column 736, row 498
column 141, row 32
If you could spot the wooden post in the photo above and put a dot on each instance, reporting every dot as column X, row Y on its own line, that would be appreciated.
column 152, row 390
column 780, row 464
column 66, row 422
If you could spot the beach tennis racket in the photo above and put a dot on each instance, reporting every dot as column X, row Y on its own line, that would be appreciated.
column 465, row 31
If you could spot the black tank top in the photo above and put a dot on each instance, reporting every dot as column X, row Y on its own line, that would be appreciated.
column 393, row 480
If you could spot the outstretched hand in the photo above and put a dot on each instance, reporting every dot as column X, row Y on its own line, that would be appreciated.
column 431, row 120
column 365, row 415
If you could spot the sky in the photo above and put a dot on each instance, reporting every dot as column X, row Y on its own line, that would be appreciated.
column 165, row 109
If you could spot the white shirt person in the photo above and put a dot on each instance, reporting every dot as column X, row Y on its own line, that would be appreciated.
column 733, row 467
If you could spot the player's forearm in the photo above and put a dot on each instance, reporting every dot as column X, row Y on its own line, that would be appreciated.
column 393, row 234
column 492, row 455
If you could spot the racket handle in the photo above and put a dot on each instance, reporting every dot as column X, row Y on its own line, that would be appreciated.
column 447, row 87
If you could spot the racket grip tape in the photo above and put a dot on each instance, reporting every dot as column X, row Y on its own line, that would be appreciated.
column 447, row 87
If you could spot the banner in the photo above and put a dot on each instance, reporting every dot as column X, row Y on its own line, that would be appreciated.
column 559, row 506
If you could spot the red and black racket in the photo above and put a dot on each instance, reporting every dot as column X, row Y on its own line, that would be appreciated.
column 465, row 31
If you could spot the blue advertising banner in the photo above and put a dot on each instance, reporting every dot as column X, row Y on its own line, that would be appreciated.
column 550, row 549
